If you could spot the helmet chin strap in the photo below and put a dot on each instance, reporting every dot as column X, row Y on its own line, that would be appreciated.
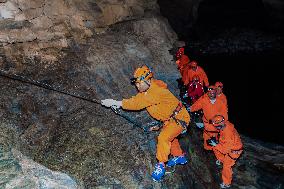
column 147, row 83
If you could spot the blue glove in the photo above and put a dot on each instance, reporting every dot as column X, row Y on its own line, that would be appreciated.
column 212, row 143
column 188, row 108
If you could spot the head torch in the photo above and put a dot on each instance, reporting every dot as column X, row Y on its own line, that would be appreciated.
column 133, row 80
column 210, row 89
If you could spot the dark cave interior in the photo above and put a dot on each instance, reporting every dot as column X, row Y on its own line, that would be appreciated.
column 251, row 79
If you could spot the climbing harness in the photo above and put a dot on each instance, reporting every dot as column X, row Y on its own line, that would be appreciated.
column 179, row 122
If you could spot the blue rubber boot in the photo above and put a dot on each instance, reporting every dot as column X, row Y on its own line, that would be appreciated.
column 159, row 172
column 177, row 160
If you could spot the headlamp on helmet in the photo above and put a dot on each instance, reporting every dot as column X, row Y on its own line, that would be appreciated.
column 133, row 81
column 142, row 74
column 193, row 64
column 211, row 88
column 180, row 52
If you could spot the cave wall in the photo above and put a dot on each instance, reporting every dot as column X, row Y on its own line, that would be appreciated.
column 91, row 48
column 87, row 48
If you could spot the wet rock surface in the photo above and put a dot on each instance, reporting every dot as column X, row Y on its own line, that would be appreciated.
column 83, row 49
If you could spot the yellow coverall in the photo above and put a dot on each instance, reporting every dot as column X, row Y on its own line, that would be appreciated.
column 160, row 104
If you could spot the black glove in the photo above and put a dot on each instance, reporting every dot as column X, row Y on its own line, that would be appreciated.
column 210, row 121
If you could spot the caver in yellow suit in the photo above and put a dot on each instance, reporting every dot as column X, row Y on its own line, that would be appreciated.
column 162, row 105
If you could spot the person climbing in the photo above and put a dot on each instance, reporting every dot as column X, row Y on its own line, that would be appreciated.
column 194, row 92
column 227, row 147
column 182, row 62
column 154, row 96
column 195, row 69
column 210, row 106
column 219, row 92
column 195, row 89
column 183, row 67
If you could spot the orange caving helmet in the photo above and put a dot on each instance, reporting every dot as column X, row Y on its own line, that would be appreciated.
column 195, row 78
column 219, row 84
column 193, row 63
column 217, row 120
column 180, row 52
column 142, row 74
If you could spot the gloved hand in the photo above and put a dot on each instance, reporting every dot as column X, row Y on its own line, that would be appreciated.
column 185, row 95
column 199, row 125
column 212, row 142
column 210, row 121
column 188, row 108
column 154, row 128
column 110, row 102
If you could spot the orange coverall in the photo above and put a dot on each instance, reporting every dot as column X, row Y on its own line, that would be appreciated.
column 223, row 98
column 209, row 111
column 228, row 150
column 160, row 104
column 183, row 66
column 201, row 73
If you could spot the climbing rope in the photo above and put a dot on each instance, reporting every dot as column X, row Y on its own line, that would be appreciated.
column 44, row 85
column 145, row 127
column 23, row 79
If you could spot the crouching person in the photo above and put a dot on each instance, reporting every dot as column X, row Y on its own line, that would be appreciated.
column 162, row 105
column 227, row 147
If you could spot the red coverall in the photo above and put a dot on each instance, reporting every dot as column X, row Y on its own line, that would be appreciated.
column 194, row 91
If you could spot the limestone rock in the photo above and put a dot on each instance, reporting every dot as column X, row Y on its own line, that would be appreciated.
column 8, row 10
column 18, row 171
column 31, row 4
column 81, row 19
column 42, row 22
